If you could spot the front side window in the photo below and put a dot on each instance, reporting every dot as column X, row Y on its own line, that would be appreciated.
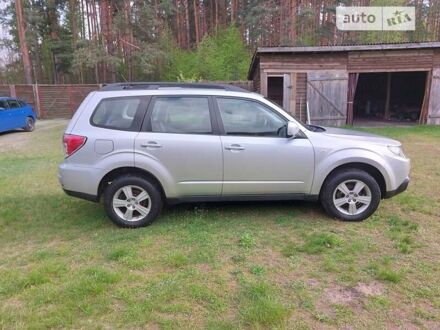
column 118, row 113
column 14, row 104
column 250, row 118
column 3, row 105
column 181, row 115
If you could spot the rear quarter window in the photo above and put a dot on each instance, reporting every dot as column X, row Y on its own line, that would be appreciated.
column 122, row 113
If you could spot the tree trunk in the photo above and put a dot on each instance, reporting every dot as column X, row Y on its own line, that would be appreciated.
column 233, row 11
column 293, row 20
column 52, row 20
column 89, row 30
column 107, row 31
column 83, row 26
column 204, row 25
column 24, row 48
column 216, row 14
column 187, row 26
column 74, row 21
column 129, row 36
column 196, row 20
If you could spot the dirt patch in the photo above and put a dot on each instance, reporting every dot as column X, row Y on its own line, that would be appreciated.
column 152, row 326
column 204, row 268
column 14, row 303
column 313, row 283
column 15, row 140
column 348, row 296
column 339, row 295
column 370, row 289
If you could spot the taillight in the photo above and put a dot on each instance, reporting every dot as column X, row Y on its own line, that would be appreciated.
column 73, row 143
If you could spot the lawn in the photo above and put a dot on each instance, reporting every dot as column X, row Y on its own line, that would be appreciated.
column 63, row 264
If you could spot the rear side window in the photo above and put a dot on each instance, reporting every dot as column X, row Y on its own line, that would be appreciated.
column 124, row 113
column 14, row 104
column 184, row 115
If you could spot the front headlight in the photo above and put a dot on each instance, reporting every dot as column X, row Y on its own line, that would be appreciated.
column 398, row 151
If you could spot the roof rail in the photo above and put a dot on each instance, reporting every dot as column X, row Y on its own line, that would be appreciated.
column 160, row 85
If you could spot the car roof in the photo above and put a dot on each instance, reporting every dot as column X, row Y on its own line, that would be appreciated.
column 177, row 91
column 169, row 84
column 6, row 98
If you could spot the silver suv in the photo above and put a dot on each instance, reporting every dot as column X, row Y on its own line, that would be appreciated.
column 140, row 145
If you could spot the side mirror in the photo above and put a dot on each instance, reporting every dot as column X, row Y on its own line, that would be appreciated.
column 292, row 129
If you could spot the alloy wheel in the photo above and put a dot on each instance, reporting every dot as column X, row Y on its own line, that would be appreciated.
column 131, row 203
column 352, row 197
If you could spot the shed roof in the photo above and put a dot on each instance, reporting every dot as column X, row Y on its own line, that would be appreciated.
column 333, row 49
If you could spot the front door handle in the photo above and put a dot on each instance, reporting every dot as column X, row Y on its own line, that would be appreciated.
column 151, row 145
column 234, row 147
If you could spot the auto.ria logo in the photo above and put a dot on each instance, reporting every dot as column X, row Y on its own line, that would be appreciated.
column 375, row 18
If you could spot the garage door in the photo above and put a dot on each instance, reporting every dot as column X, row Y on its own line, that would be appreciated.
column 327, row 97
column 434, row 99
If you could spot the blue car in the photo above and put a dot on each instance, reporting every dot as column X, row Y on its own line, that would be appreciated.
column 15, row 113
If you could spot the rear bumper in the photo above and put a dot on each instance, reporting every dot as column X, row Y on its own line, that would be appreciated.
column 91, row 198
column 80, row 181
column 403, row 186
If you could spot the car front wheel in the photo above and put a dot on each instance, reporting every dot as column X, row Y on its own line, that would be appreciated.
column 350, row 195
column 132, row 201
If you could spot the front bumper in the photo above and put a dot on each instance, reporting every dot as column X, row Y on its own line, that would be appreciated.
column 403, row 186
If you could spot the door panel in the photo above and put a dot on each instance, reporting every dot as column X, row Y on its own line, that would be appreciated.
column 193, row 162
column 258, row 157
column 434, row 100
column 266, row 165
column 178, row 137
column 16, row 114
column 4, row 116
column 26, row 110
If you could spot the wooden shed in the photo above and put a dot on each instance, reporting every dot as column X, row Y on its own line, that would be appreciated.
column 394, row 83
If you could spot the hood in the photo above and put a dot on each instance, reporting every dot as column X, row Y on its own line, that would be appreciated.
column 359, row 136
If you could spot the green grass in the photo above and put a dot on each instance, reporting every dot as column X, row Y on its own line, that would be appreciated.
column 215, row 266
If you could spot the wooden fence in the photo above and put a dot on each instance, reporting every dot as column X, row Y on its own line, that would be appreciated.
column 61, row 101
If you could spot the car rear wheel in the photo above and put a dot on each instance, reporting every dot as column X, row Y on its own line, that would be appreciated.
column 30, row 124
column 350, row 195
column 132, row 201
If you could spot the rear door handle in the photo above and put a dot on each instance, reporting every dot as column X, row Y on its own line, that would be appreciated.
column 234, row 147
column 151, row 145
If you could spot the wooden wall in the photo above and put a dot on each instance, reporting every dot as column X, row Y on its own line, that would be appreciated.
column 301, row 96
column 298, row 65
column 61, row 101
column 50, row 101
column 302, row 62
column 434, row 99
column 386, row 61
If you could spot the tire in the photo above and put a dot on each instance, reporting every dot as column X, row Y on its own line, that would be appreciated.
column 132, row 211
column 350, row 195
column 30, row 124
